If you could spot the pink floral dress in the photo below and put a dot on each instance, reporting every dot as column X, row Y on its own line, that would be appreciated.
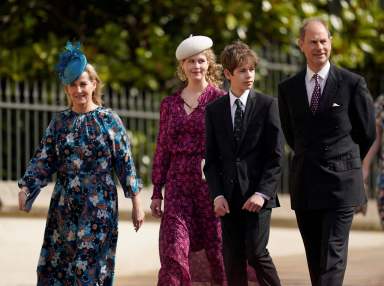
column 190, row 241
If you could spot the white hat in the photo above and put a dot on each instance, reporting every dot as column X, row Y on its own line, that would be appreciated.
column 192, row 46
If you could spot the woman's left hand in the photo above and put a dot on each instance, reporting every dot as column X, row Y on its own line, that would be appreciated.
column 137, row 213
column 23, row 198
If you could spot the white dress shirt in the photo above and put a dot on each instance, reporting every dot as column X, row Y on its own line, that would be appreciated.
column 310, row 81
column 243, row 99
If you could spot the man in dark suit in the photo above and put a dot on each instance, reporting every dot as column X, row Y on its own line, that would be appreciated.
column 243, row 167
column 328, row 120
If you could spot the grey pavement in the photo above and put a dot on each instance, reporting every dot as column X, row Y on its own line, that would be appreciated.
column 137, row 259
column 364, row 269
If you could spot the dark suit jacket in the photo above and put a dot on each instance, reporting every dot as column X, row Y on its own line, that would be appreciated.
column 256, row 162
column 328, row 146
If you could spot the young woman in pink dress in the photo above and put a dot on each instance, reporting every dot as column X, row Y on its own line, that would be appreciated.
column 190, row 243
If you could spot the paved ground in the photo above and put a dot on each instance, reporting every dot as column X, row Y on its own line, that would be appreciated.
column 137, row 259
column 21, row 239
column 365, row 268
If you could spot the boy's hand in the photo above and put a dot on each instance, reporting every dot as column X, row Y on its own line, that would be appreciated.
column 221, row 206
column 254, row 203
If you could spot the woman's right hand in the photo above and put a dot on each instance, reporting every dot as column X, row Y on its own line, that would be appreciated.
column 156, row 208
column 23, row 198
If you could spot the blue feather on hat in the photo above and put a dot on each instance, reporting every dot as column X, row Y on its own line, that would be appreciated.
column 72, row 63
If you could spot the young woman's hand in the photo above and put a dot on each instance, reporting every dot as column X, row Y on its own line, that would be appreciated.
column 156, row 208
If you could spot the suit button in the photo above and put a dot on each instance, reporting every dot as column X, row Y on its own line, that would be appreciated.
column 325, row 148
column 231, row 181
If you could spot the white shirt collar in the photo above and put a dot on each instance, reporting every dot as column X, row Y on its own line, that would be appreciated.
column 323, row 73
column 243, row 98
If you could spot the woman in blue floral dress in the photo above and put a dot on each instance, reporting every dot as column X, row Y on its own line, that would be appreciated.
column 84, row 145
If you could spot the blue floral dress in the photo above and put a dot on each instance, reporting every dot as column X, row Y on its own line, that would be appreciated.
column 81, row 231
column 379, row 108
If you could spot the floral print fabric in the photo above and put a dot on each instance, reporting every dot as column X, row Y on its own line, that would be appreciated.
column 379, row 107
column 190, row 242
column 81, row 231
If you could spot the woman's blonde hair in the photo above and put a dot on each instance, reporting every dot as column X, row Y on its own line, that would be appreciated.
column 93, row 76
column 214, row 73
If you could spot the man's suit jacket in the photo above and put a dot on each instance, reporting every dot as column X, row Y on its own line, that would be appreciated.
column 256, row 162
column 328, row 146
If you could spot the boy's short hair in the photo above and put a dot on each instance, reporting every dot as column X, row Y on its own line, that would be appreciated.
column 236, row 54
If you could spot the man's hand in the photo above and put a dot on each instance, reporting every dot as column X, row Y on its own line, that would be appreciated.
column 254, row 203
column 156, row 208
column 221, row 206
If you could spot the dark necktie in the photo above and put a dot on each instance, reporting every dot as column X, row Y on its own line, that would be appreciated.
column 316, row 94
column 238, row 121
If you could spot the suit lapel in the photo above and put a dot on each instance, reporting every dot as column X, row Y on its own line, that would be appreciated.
column 330, row 90
column 328, row 95
column 303, row 102
column 250, row 110
column 227, row 118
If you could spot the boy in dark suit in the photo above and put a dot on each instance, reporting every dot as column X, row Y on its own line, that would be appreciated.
column 243, row 167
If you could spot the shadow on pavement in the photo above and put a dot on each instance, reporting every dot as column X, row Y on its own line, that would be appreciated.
column 365, row 268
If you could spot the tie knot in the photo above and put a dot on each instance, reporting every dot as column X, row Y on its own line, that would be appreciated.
column 238, row 103
column 315, row 77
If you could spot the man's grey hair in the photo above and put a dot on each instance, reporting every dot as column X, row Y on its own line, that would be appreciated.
column 306, row 22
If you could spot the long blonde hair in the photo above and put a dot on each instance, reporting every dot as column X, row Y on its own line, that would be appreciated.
column 214, row 73
column 93, row 76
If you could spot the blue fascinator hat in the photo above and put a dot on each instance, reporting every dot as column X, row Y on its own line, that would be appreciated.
column 72, row 63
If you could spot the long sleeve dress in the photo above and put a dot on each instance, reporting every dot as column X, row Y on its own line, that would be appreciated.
column 379, row 109
column 81, row 230
column 188, row 225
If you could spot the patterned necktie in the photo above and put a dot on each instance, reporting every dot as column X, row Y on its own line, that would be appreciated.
column 316, row 94
column 238, row 122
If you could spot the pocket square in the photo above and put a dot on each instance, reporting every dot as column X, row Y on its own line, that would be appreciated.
column 335, row 104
